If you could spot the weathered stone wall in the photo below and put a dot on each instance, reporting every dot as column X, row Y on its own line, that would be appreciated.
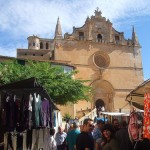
column 102, row 55
column 111, row 84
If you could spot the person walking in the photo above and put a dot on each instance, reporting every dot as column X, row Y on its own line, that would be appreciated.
column 50, row 144
column 72, row 136
column 60, row 139
column 84, row 140
column 67, row 126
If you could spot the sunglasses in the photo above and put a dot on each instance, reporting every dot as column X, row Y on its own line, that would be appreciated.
column 91, row 125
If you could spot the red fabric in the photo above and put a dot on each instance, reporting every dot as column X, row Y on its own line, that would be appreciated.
column 133, row 127
column 146, row 127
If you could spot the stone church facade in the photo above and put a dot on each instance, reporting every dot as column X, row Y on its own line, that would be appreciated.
column 102, row 55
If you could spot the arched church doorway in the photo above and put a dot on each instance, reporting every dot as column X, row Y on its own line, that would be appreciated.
column 100, row 106
column 103, row 93
column 99, row 38
column 99, row 103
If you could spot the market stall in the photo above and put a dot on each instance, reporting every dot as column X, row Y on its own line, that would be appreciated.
column 27, row 113
column 140, row 98
column 109, row 116
column 136, row 96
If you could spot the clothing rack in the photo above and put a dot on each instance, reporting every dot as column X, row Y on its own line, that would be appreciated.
column 27, row 86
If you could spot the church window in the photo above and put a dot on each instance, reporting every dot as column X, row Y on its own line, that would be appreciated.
column 101, row 60
column 81, row 35
column 99, row 38
column 33, row 44
column 117, row 38
column 41, row 45
column 67, row 69
column 47, row 46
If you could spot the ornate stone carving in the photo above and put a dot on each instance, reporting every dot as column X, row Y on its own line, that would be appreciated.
column 58, row 45
column 98, row 13
column 90, row 47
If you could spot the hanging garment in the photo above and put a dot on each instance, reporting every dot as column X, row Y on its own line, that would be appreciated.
column 9, row 141
column 24, row 133
column 35, row 139
column 17, row 112
column 5, row 140
column 59, row 119
column 29, row 139
column 24, row 120
column 3, row 116
column 10, row 114
column 50, row 111
column 45, row 112
column 30, row 111
column 19, row 141
column 146, row 127
column 41, row 138
column 133, row 127
column 55, row 118
column 36, row 112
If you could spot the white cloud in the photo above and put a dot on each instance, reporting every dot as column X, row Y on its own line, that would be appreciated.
column 39, row 17
column 24, row 18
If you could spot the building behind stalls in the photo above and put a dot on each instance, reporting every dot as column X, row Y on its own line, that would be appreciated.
column 101, row 54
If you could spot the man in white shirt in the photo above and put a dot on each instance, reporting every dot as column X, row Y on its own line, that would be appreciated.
column 60, row 139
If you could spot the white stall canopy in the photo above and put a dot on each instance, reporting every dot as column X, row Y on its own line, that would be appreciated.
column 136, row 96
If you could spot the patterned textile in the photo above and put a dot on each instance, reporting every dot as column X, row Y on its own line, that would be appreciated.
column 133, row 127
column 146, row 128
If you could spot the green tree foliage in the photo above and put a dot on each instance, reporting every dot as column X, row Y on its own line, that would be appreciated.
column 60, row 86
column 67, row 116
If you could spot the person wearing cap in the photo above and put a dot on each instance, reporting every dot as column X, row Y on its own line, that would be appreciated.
column 72, row 136
column 109, row 141
column 84, row 140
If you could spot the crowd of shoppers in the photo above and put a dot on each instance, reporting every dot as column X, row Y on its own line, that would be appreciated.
column 95, row 136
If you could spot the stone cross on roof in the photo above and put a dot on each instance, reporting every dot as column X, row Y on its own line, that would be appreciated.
column 97, row 12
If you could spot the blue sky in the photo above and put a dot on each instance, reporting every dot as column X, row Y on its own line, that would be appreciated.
column 22, row 18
